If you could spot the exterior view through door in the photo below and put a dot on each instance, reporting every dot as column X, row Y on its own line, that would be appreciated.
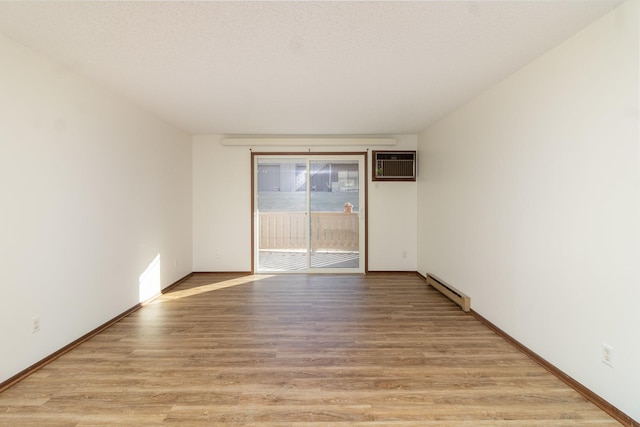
column 309, row 213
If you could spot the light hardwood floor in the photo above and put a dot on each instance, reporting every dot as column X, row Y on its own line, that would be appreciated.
column 351, row 350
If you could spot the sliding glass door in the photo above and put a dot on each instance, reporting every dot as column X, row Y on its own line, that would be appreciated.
column 309, row 213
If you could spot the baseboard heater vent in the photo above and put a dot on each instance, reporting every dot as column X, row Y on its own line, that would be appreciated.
column 450, row 292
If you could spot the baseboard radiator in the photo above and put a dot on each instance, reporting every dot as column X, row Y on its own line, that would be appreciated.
column 450, row 292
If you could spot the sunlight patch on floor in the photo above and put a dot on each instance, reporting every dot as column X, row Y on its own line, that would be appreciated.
column 176, row 295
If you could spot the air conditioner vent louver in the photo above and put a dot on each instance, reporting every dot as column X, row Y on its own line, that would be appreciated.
column 394, row 166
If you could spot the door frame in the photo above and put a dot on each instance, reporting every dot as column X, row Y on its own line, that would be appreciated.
column 365, row 159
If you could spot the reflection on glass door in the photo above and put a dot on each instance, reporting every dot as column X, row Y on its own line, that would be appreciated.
column 309, row 214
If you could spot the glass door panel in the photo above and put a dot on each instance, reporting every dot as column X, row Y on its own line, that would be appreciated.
column 334, row 213
column 281, row 217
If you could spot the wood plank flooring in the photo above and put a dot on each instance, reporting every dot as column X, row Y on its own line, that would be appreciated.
column 382, row 349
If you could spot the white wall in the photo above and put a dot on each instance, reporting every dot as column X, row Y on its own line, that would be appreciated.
column 529, row 201
column 222, row 209
column 221, row 206
column 92, row 191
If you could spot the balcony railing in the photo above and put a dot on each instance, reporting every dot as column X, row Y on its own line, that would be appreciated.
column 329, row 231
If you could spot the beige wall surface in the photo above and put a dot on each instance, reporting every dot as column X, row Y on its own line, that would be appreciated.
column 96, row 206
column 529, row 202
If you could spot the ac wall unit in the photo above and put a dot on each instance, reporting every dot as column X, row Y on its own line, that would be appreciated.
column 394, row 166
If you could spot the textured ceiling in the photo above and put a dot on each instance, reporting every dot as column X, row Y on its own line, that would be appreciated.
column 297, row 67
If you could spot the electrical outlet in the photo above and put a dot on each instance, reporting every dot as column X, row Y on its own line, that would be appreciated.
column 607, row 354
column 404, row 254
column 218, row 254
column 35, row 326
